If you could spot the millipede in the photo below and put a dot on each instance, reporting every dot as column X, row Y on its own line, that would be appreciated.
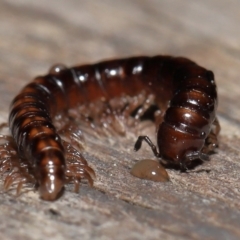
column 184, row 95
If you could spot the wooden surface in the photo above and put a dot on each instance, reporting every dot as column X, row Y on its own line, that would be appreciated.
column 202, row 204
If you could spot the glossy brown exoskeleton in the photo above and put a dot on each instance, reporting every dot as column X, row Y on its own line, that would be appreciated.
column 184, row 92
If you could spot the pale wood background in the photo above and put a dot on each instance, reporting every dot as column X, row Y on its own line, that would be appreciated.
column 198, row 205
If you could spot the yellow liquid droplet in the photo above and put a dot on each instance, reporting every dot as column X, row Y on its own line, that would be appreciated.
column 150, row 170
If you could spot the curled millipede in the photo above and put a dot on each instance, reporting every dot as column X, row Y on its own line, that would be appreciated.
column 183, row 92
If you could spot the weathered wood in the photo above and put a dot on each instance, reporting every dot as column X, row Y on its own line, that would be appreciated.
column 201, row 204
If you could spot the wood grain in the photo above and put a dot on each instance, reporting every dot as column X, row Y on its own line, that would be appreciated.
column 201, row 204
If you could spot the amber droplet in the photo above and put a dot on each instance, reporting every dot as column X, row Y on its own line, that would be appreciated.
column 150, row 170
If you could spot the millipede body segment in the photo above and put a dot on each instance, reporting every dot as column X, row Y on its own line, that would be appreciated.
column 184, row 92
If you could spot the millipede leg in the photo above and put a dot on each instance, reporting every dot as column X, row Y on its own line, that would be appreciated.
column 183, row 166
column 211, row 141
column 145, row 105
column 217, row 127
column 196, row 155
column 138, row 145
column 3, row 125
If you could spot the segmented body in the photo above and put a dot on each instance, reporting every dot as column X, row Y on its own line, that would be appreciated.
column 184, row 92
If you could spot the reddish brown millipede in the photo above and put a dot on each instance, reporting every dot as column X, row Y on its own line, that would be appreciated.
column 184, row 92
